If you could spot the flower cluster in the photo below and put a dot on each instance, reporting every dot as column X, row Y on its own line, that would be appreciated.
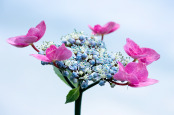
column 90, row 60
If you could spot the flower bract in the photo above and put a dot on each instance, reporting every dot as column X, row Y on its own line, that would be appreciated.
column 34, row 34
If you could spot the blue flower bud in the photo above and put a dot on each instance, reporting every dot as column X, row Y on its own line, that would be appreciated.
column 79, row 57
column 95, row 57
column 95, row 75
column 75, row 80
column 92, row 62
column 92, row 43
column 71, row 40
column 81, row 38
column 114, row 68
column 71, row 67
column 60, row 64
column 43, row 63
column 65, row 42
column 84, row 56
column 74, row 74
column 90, row 77
column 109, row 76
column 102, row 83
column 112, row 72
column 65, row 73
column 84, row 84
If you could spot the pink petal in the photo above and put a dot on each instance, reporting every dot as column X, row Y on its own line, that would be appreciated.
column 121, row 74
column 33, row 32
column 137, row 69
column 98, row 29
column 151, row 55
column 38, row 31
column 59, row 54
column 145, row 83
column 42, row 28
column 91, row 27
column 117, row 26
column 132, row 79
column 51, row 52
column 21, row 41
column 132, row 49
column 110, row 27
column 63, row 53
column 41, row 57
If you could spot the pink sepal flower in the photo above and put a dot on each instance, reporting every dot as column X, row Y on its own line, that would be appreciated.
column 144, row 55
column 33, row 35
column 135, row 73
column 106, row 29
column 54, row 54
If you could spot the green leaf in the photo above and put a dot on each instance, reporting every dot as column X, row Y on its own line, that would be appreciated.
column 59, row 74
column 73, row 95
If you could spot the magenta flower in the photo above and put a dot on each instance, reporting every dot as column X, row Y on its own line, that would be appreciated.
column 135, row 73
column 106, row 29
column 144, row 55
column 33, row 35
column 54, row 54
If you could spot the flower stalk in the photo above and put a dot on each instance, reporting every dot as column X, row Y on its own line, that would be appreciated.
column 78, row 104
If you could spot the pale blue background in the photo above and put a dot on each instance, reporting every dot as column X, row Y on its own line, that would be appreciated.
column 28, row 88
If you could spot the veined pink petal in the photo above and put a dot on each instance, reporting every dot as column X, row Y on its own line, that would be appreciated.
column 132, row 49
column 51, row 52
column 145, row 83
column 110, row 27
column 38, row 31
column 63, row 53
column 137, row 69
column 132, row 79
column 41, row 57
column 33, row 32
column 151, row 55
column 42, row 28
column 21, row 41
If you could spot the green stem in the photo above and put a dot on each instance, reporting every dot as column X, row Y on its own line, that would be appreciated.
column 78, row 104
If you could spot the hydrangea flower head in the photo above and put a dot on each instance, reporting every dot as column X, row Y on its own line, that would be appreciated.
column 106, row 29
column 144, row 55
column 34, row 34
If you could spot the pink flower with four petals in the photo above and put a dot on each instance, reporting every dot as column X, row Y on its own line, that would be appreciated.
column 54, row 54
column 144, row 55
column 34, row 34
column 135, row 73
column 106, row 29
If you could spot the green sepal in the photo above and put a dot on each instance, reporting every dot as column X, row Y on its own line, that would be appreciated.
column 73, row 95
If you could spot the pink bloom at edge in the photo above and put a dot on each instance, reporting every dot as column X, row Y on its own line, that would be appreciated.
column 106, row 29
column 135, row 73
column 144, row 55
column 34, row 34
column 54, row 54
